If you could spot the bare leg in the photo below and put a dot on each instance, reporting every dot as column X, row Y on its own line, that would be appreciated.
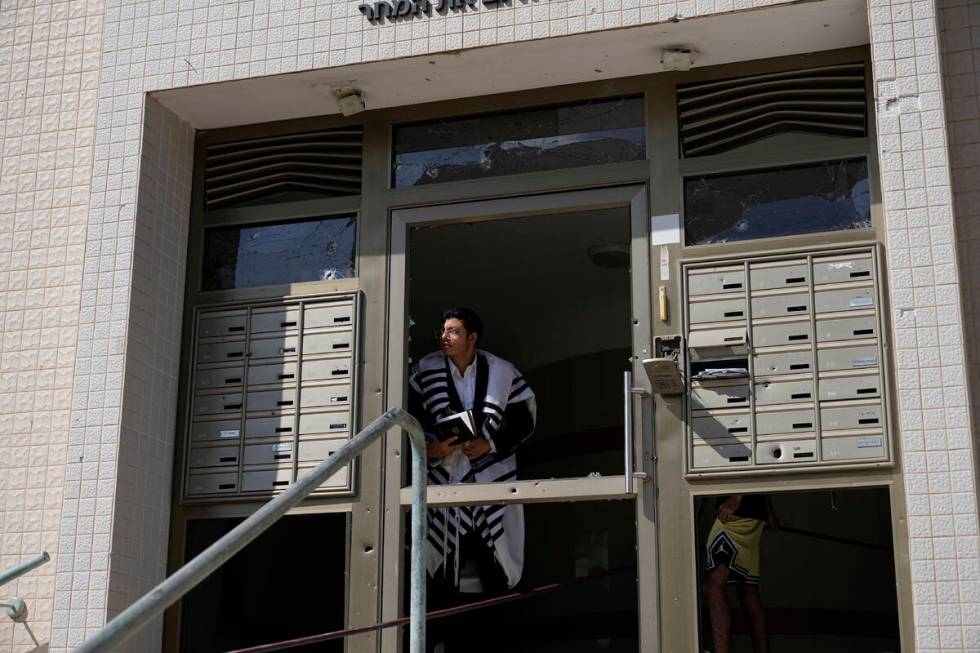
column 749, row 597
column 718, row 608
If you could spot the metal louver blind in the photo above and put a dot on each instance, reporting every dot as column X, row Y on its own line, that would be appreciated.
column 325, row 163
column 721, row 115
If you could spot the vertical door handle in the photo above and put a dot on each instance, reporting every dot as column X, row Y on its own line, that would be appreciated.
column 628, row 463
column 628, row 430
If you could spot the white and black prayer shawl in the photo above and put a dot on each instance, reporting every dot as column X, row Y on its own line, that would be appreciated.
column 498, row 384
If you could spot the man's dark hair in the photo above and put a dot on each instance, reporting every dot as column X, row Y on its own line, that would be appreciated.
column 471, row 321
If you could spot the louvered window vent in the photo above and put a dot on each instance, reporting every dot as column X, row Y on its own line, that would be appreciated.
column 720, row 115
column 325, row 163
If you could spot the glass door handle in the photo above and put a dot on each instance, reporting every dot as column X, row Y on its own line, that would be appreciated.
column 628, row 392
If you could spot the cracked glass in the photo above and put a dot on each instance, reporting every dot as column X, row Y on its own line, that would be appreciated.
column 827, row 196
column 320, row 249
column 548, row 138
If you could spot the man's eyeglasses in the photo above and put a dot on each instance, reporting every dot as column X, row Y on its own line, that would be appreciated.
column 449, row 333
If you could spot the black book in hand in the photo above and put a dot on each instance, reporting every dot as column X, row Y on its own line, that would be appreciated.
column 461, row 426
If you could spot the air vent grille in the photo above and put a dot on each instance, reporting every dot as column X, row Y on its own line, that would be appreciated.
column 720, row 115
column 325, row 163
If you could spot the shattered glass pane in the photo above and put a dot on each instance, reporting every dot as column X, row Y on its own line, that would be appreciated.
column 320, row 249
column 549, row 138
column 828, row 196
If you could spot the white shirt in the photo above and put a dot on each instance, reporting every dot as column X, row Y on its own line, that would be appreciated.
column 466, row 389
column 465, row 383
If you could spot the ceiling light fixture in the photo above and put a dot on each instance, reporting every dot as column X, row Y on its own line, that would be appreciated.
column 349, row 100
column 611, row 256
column 680, row 58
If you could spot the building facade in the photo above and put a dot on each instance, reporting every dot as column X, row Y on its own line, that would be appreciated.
column 553, row 163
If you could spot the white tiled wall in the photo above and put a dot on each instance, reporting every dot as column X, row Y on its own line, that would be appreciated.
column 92, row 237
column 118, row 474
column 50, row 53
column 927, row 318
column 960, row 37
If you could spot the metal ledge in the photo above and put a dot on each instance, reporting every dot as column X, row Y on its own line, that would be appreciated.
column 543, row 491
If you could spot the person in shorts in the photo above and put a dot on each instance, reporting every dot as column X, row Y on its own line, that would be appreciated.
column 733, row 557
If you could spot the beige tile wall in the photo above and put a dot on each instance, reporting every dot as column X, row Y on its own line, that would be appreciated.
column 127, row 366
column 91, row 255
column 960, row 41
column 50, row 54
column 928, row 326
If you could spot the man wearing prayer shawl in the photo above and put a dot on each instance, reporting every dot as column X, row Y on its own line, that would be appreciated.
column 473, row 551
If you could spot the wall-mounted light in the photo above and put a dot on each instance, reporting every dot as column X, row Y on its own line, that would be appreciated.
column 349, row 99
column 677, row 58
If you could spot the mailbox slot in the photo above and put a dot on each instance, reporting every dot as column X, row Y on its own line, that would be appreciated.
column 783, row 305
column 718, row 310
column 784, row 362
column 786, row 451
column 338, row 314
column 837, row 269
column 719, row 394
column 844, row 299
column 769, row 276
column 782, row 333
column 718, row 425
column 783, row 392
column 849, row 387
column 717, row 280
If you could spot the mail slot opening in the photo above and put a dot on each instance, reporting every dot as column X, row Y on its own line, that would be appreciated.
column 824, row 579
column 720, row 368
column 222, row 613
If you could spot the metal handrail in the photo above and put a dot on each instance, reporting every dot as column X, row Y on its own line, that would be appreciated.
column 19, row 570
column 154, row 602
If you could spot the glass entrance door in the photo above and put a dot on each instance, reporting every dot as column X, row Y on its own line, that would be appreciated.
column 561, row 284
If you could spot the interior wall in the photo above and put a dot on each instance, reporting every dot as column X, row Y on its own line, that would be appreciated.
column 505, row 271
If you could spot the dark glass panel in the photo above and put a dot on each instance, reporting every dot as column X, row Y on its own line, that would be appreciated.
column 550, row 138
column 826, row 574
column 289, row 582
column 284, row 252
column 828, row 196
column 585, row 553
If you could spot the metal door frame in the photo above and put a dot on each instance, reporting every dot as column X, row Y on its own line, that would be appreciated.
column 634, row 199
